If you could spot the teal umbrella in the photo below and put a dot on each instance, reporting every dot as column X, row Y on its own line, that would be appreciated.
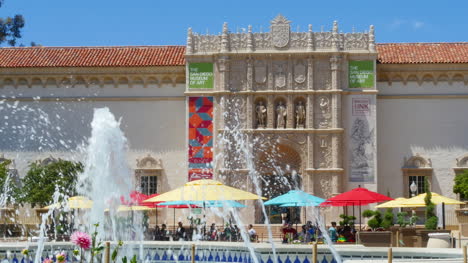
column 295, row 198
column 223, row 203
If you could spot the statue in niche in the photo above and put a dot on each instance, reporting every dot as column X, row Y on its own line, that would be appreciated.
column 300, row 115
column 261, row 115
column 281, row 115
column 323, row 105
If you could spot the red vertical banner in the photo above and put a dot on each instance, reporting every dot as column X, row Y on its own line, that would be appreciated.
column 200, row 138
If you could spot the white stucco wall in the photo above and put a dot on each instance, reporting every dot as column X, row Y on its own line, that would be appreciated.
column 432, row 126
column 152, row 118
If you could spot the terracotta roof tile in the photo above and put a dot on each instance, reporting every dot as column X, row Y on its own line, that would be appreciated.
column 124, row 56
column 422, row 53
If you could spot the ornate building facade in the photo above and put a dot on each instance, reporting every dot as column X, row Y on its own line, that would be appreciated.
column 320, row 111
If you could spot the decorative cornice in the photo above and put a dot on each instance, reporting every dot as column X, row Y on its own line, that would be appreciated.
column 278, row 92
column 57, row 99
column 324, row 170
column 289, row 131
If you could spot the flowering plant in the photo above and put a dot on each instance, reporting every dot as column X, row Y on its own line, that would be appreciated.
column 25, row 252
column 61, row 257
column 47, row 260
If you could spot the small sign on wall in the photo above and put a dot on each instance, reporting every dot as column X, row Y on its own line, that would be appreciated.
column 201, row 76
column 361, row 74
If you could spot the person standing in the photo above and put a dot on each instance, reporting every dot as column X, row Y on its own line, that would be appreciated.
column 180, row 234
column 333, row 232
column 252, row 233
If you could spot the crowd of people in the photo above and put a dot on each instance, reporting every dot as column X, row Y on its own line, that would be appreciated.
column 230, row 232
column 308, row 233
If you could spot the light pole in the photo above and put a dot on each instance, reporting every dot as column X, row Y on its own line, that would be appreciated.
column 413, row 188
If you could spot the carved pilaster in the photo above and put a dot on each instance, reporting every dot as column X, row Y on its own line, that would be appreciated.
column 249, row 85
column 335, row 39
column 250, row 119
column 189, row 41
column 336, row 110
column 310, row 151
column 270, row 74
column 250, row 45
column 223, row 68
column 290, row 74
column 310, row 39
column 335, row 142
column 371, row 39
column 310, row 111
column 310, row 73
column 270, row 112
column 225, row 39
column 290, row 109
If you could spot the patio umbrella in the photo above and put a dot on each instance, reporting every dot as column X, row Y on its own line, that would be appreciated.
column 75, row 202
column 418, row 201
column 137, row 198
column 124, row 208
column 295, row 198
column 226, row 203
column 357, row 196
column 397, row 203
column 204, row 190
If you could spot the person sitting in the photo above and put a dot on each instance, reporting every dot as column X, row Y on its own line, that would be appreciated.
column 163, row 233
column 333, row 232
column 213, row 232
column 289, row 233
column 304, row 235
column 156, row 233
column 180, row 233
column 252, row 233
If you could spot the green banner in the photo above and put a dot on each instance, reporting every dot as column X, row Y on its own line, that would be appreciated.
column 201, row 76
column 361, row 74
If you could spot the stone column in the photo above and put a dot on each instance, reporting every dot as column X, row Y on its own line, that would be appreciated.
column 310, row 73
column 270, row 112
column 336, row 97
column 290, row 112
column 249, row 86
column 250, row 113
column 309, row 123
column 223, row 68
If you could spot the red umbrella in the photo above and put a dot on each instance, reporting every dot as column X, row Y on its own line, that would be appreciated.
column 358, row 196
column 137, row 198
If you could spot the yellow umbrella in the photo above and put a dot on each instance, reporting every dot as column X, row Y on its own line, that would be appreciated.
column 204, row 190
column 436, row 199
column 397, row 202
column 75, row 202
column 123, row 208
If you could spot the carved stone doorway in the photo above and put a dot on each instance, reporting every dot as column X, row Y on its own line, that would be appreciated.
column 279, row 172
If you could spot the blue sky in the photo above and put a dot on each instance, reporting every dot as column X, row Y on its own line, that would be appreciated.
column 157, row 22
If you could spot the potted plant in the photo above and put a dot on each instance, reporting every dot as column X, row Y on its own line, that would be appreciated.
column 378, row 235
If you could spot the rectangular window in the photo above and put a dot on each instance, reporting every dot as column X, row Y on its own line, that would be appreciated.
column 419, row 181
column 149, row 184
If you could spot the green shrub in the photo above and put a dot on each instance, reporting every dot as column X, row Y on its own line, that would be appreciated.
column 388, row 218
column 431, row 218
column 376, row 218
column 347, row 220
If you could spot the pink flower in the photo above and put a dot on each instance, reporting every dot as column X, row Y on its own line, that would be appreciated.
column 47, row 260
column 81, row 239
column 61, row 257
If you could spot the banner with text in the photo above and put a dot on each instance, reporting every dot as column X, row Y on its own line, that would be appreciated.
column 362, row 139
column 361, row 74
column 200, row 76
column 200, row 138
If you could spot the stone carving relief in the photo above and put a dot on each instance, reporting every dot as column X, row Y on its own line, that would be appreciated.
column 280, row 69
column 262, row 41
column 323, row 40
column 417, row 162
column 300, row 114
column 323, row 112
column 207, row 43
column 322, row 74
column 261, row 113
column 149, row 162
column 238, row 41
column 299, row 40
column 355, row 41
column 300, row 72
column 324, row 153
column 281, row 114
column 463, row 162
column 260, row 72
column 237, row 75
column 280, row 30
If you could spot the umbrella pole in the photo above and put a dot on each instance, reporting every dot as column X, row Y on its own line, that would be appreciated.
column 174, row 222
column 443, row 215
column 360, row 217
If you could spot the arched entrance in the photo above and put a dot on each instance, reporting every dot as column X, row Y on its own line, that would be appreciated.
column 279, row 172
